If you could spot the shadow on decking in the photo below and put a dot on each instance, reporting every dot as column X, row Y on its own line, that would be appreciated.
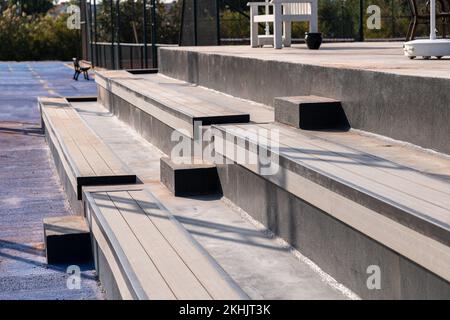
column 214, row 230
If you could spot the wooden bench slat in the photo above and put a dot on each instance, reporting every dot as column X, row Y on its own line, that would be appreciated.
column 172, row 268
column 179, row 101
column 76, row 155
column 389, row 178
column 386, row 167
column 200, row 264
column 138, row 258
column 103, row 151
column 381, row 189
column 154, row 254
column 72, row 135
column 300, row 150
column 85, row 139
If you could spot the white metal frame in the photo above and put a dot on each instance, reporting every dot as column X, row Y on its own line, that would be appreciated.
column 284, row 13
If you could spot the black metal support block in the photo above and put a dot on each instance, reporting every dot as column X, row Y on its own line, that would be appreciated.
column 67, row 240
column 311, row 113
column 189, row 179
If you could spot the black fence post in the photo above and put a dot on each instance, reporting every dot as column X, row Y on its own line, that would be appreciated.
column 154, row 35
column 218, row 21
column 361, row 20
column 95, row 33
column 195, row 23
column 113, row 58
column 144, row 38
column 119, row 49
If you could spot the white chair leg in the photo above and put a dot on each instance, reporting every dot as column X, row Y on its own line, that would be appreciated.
column 253, row 27
column 287, row 26
column 313, row 23
column 277, row 27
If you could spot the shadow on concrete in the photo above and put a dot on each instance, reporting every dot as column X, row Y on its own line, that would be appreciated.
column 33, row 251
column 242, row 236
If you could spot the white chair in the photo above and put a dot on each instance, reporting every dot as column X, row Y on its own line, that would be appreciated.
column 284, row 12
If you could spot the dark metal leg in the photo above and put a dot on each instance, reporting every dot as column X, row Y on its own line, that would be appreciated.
column 413, row 32
column 444, row 23
column 409, row 33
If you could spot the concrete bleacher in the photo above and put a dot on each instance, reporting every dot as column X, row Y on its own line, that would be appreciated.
column 142, row 252
column 81, row 158
column 345, row 199
column 170, row 105
column 379, row 200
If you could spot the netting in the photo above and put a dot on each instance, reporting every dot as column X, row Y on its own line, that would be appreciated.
column 199, row 23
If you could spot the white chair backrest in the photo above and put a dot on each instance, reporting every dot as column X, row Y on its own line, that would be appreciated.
column 297, row 8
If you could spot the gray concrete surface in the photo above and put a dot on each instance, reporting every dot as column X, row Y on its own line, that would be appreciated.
column 381, row 90
column 260, row 264
column 338, row 249
column 29, row 187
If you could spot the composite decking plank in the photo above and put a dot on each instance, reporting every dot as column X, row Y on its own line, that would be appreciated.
column 199, row 107
column 117, row 167
column 113, row 163
column 85, row 139
column 196, row 106
column 165, row 115
column 391, row 177
column 258, row 112
column 153, row 283
column 76, row 155
column 182, row 102
column 73, row 133
column 389, row 166
column 172, row 268
column 379, row 189
column 326, row 152
column 211, row 278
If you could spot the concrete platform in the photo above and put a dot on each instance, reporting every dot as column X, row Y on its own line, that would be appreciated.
column 171, row 106
column 67, row 240
column 189, row 179
column 381, row 90
column 311, row 113
column 321, row 185
column 81, row 158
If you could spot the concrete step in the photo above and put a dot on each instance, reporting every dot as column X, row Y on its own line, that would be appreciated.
column 311, row 113
column 142, row 251
column 158, row 107
column 81, row 158
column 263, row 266
column 328, row 199
column 188, row 177
column 379, row 90
column 67, row 240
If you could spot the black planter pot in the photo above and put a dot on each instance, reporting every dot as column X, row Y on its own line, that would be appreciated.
column 313, row 40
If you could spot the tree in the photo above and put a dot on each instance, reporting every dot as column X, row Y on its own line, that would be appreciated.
column 32, row 7
column 36, row 37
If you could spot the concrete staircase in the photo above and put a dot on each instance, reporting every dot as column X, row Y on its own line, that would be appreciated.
column 371, row 212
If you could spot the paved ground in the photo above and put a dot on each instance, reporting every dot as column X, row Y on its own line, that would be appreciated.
column 29, row 187
column 376, row 56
